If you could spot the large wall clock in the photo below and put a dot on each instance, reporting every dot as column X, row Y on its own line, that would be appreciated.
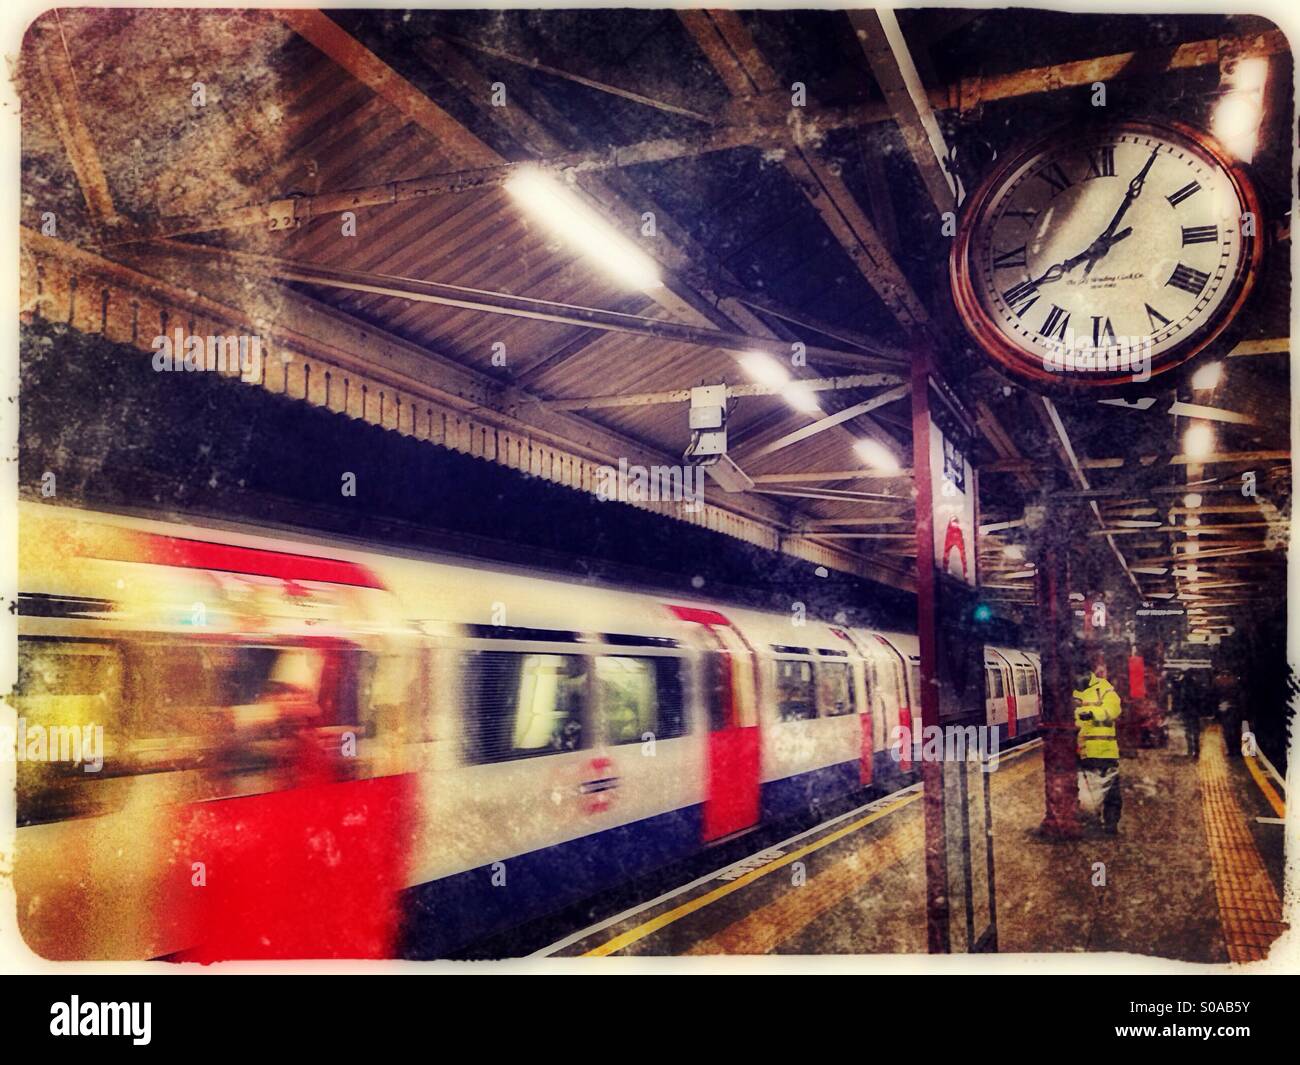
column 1100, row 253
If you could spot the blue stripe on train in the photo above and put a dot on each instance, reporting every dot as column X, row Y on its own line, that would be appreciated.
column 445, row 915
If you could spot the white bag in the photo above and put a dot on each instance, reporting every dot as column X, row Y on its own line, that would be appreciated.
column 1092, row 788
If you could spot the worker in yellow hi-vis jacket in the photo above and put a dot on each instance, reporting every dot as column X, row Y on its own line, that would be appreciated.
column 1096, row 713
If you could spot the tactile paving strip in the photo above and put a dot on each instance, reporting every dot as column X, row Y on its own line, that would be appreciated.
column 1250, row 911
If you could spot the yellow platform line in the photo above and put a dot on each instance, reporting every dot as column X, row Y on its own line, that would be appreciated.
column 653, row 925
column 1250, row 912
column 766, row 928
column 633, row 935
column 1266, row 786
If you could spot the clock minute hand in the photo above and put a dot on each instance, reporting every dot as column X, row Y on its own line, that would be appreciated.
column 1103, row 243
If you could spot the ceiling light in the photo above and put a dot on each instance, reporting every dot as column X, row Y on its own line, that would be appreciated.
column 1198, row 441
column 1130, row 523
column 876, row 455
column 802, row 398
column 564, row 212
column 1015, row 551
column 1208, row 376
column 1240, row 110
column 1192, row 499
column 1192, row 520
column 766, row 370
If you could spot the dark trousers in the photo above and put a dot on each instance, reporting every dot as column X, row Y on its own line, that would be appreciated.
column 1192, row 726
column 1107, row 770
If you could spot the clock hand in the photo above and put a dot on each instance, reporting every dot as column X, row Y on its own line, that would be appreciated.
column 1134, row 191
column 1096, row 249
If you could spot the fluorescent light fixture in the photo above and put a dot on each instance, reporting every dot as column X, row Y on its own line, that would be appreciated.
column 1239, row 112
column 1015, row 551
column 763, row 369
column 802, row 398
column 1192, row 499
column 1208, row 376
column 1198, row 441
column 1192, row 520
column 1134, row 523
column 876, row 455
column 582, row 228
column 1249, row 75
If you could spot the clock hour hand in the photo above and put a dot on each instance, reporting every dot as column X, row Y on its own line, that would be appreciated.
column 1095, row 250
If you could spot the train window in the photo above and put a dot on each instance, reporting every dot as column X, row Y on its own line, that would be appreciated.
column 1033, row 682
column 1022, row 680
column 795, row 695
column 834, row 688
column 914, row 672
column 66, row 690
column 996, row 688
column 523, row 705
column 718, row 689
column 640, row 695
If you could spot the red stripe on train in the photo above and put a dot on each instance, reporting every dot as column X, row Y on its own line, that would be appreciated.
column 229, row 558
column 700, row 615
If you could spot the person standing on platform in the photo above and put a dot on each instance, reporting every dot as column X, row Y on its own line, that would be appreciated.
column 1097, row 710
column 1223, row 693
column 1190, row 698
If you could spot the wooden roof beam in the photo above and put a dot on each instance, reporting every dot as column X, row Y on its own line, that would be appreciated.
column 832, row 420
column 59, row 87
column 731, row 50
column 891, row 64
column 683, row 395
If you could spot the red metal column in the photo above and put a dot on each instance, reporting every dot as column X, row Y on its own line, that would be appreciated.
column 936, row 851
column 1060, row 764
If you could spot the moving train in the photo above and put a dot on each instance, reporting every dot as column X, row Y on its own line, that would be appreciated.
column 312, row 750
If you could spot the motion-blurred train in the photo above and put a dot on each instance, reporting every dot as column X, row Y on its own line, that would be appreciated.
column 313, row 750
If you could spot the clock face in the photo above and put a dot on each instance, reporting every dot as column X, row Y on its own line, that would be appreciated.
column 1107, row 255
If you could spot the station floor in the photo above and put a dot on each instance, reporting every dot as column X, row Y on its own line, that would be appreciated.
column 1195, row 874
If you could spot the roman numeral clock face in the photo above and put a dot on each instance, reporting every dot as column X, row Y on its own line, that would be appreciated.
column 1098, row 256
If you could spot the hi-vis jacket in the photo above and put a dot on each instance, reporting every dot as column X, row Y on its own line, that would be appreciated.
column 1097, row 734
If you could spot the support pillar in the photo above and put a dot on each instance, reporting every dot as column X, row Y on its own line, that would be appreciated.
column 1060, row 762
column 936, row 847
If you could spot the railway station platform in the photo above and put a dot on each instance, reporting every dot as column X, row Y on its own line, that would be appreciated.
column 1194, row 874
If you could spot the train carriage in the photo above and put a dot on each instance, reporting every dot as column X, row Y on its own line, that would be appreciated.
column 327, row 750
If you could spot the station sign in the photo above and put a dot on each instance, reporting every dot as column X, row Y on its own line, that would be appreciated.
column 953, row 495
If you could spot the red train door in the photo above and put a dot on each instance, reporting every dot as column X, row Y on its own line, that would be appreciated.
column 731, row 801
